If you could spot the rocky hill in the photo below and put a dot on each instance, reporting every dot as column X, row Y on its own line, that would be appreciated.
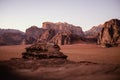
column 61, row 33
column 32, row 34
column 47, row 35
column 110, row 34
column 64, row 33
column 91, row 35
column 93, row 32
column 50, row 32
column 62, row 38
column 77, row 30
column 11, row 37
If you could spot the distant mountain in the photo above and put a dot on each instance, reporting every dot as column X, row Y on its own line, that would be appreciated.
column 91, row 35
column 11, row 37
column 93, row 32
column 77, row 30
column 110, row 34
column 61, row 33
column 49, row 30
column 2, row 31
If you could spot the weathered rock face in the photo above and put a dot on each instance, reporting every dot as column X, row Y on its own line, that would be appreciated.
column 47, row 35
column 43, row 51
column 50, row 31
column 110, row 34
column 33, row 33
column 63, row 33
column 63, row 27
column 11, row 37
column 62, row 38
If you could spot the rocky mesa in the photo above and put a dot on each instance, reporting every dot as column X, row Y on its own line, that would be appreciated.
column 60, row 33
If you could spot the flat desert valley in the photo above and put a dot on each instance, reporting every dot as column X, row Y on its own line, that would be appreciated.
column 75, row 52
column 87, row 62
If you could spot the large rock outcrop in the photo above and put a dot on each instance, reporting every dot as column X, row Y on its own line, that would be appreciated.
column 11, row 37
column 63, row 27
column 62, row 33
column 32, row 34
column 47, row 35
column 43, row 51
column 110, row 34
column 50, row 30
column 62, row 38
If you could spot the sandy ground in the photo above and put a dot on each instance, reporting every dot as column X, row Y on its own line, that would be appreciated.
column 75, row 52
column 92, row 52
column 85, row 62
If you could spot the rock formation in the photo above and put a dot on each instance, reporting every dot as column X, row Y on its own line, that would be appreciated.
column 47, row 35
column 11, row 37
column 33, row 33
column 43, row 51
column 62, row 33
column 110, row 34
column 91, row 35
column 63, row 27
column 62, row 38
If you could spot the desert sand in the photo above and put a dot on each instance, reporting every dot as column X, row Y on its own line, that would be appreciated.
column 75, row 52
column 85, row 62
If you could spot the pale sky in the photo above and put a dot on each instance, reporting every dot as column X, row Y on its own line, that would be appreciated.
column 21, row 14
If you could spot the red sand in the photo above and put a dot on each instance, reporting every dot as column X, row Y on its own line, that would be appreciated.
column 75, row 52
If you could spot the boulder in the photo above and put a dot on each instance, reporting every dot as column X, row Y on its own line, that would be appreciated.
column 110, row 34
column 43, row 51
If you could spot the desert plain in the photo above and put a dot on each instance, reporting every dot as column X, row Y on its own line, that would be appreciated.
column 85, row 62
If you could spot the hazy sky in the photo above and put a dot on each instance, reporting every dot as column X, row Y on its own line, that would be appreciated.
column 21, row 14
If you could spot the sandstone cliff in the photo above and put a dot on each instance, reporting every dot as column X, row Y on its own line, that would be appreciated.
column 110, row 34
column 63, row 27
column 62, row 38
column 47, row 35
column 61, row 33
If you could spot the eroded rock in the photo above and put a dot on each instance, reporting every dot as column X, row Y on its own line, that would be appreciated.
column 110, row 34
column 43, row 51
column 62, row 38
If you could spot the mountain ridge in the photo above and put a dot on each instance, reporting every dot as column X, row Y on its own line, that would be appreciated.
column 49, row 31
